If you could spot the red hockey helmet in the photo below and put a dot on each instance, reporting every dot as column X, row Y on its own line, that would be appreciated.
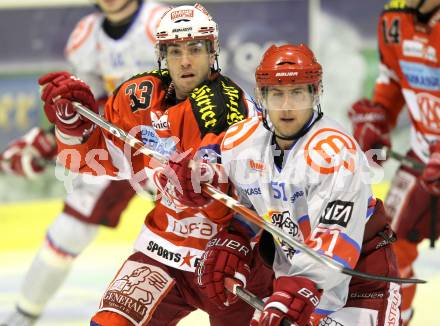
column 288, row 64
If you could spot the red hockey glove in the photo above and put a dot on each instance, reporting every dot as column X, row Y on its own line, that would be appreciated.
column 430, row 179
column 26, row 155
column 59, row 90
column 294, row 298
column 370, row 125
column 226, row 255
column 187, row 180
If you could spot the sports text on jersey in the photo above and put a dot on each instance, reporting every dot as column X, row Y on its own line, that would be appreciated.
column 162, row 252
column 337, row 212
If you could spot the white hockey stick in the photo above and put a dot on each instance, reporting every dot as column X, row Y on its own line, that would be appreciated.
column 237, row 206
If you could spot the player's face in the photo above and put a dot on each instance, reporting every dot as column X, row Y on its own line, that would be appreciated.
column 113, row 6
column 289, row 108
column 189, row 64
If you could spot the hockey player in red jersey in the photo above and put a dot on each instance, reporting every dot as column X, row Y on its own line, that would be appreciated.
column 300, row 171
column 122, row 28
column 409, row 45
column 190, row 102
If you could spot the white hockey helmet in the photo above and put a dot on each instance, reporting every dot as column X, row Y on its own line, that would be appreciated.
column 186, row 23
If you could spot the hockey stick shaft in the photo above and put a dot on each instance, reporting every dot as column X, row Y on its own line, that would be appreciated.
column 237, row 206
column 251, row 299
column 407, row 161
column 119, row 133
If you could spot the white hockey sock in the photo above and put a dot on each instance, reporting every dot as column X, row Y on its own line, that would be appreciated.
column 46, row 274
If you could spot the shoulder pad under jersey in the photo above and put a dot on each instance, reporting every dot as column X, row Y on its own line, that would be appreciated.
column 239, row 133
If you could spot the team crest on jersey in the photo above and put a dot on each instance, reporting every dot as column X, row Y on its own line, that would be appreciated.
column 329, row 150
column 430, row 111
column 136, row 291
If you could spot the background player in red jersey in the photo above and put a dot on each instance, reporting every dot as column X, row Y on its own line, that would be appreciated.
column 93, row 202
column 409, row 45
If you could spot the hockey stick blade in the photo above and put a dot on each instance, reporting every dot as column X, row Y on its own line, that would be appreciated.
column 234, row 204
column 251, row 299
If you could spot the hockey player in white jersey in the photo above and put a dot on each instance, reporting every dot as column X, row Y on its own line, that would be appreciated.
column 104, row 49
column 302, row 172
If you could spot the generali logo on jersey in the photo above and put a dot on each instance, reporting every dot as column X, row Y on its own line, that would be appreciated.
column 257, row 165
column 430, row 111
column 159, row 122
column 179, row 14
column 136, row 290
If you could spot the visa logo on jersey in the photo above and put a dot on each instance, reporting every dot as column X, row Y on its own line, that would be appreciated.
column 337, row 212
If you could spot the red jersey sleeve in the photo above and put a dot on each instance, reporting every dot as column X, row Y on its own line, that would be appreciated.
column 129, row 109
column 387, row 91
